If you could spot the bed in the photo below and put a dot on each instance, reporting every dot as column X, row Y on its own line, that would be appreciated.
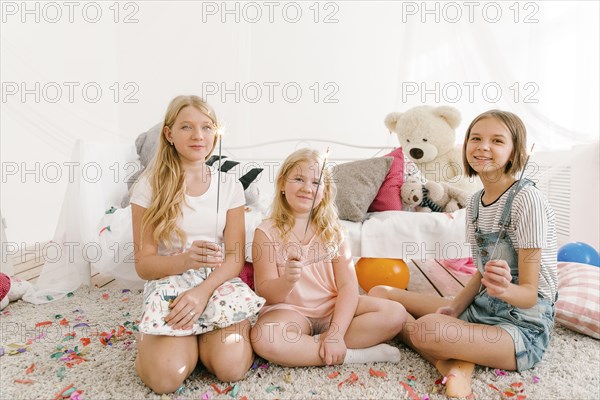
column 94, row 230
column 377, row 234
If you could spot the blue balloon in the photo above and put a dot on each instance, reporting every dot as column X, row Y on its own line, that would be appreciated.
column 580, row 253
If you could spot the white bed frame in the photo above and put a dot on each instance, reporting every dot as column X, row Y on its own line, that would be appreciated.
column 254, row 155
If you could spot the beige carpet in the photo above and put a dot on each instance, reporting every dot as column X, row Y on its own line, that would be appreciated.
column 50, row 355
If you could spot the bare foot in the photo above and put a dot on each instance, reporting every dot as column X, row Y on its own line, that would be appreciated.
column 458, row 374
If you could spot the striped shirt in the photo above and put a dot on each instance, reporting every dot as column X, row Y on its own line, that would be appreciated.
column 531, row 227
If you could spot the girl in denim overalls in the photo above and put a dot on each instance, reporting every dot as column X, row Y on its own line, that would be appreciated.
column 504, row 315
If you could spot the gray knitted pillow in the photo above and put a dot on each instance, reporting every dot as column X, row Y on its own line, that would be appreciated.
column 357, row 185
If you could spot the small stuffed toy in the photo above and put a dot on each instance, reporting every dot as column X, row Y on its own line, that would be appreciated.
column 432, row 196
column 415, row 196
column 12, row 289
column 225, row 166
column 447, row 196
column 249, row 181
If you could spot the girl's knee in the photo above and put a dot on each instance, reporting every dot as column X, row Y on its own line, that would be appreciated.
column 269, row 341
column 379, row 291
column 217, row 356
column 395, row 315
column 426, row 333
column 266, row 346
column 225, row 371
column 258, row 340
column 162, row 379
column 163, row 363
column 400, row 313
column 162, row 384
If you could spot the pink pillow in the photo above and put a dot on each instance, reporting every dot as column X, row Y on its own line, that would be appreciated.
column 247, row 274
column 388, row 197
column 578, row 305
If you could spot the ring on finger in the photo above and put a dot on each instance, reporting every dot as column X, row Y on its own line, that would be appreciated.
column 192, row 313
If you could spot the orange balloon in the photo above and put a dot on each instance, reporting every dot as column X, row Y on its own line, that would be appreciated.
column 382, row 271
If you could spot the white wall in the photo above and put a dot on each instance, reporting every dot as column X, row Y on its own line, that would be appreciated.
column 365, row 59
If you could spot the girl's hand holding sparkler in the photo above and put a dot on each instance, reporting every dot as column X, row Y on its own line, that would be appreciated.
column 496, row 277
column 293, row 269
column 203, row 254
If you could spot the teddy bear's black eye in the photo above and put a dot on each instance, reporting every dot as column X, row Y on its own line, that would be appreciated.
column 424, row 140
column 407, row 141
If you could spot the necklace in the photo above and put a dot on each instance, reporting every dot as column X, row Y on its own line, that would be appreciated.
column 309, row 233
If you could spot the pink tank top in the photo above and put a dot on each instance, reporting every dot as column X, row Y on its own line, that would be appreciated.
column 315, row 293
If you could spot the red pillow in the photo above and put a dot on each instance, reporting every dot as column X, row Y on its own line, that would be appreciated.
column 247, row 274
column 388, row 197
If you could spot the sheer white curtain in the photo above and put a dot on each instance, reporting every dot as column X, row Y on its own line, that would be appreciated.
column 545, row 70
column 87, row 234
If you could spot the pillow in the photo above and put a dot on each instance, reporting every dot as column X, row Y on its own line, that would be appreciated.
column 578, row 305
column 146, row 143
column 357, row 185
column 247, row 274
column 388, row 197
column 145, row 146
column 232, row 302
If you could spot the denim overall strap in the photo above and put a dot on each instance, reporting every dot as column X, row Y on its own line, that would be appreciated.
column 505, row 218
column 497, row 243
column 475, row 212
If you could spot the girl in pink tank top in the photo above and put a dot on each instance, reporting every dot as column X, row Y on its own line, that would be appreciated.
column 314, row 314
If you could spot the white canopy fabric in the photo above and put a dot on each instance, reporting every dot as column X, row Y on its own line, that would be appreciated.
column 78, row 242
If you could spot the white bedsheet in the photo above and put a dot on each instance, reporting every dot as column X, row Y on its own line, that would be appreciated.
column 353, row 236
column 396, row 234
column 412, row 235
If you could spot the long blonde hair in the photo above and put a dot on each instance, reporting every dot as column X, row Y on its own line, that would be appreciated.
column 325, row 215
column 167, row 177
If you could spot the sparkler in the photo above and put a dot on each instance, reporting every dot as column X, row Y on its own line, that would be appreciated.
column 220, row 136
column 219, row 133
column 312, row 207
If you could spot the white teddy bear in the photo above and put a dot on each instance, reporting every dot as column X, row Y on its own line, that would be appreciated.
column 427, row 136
